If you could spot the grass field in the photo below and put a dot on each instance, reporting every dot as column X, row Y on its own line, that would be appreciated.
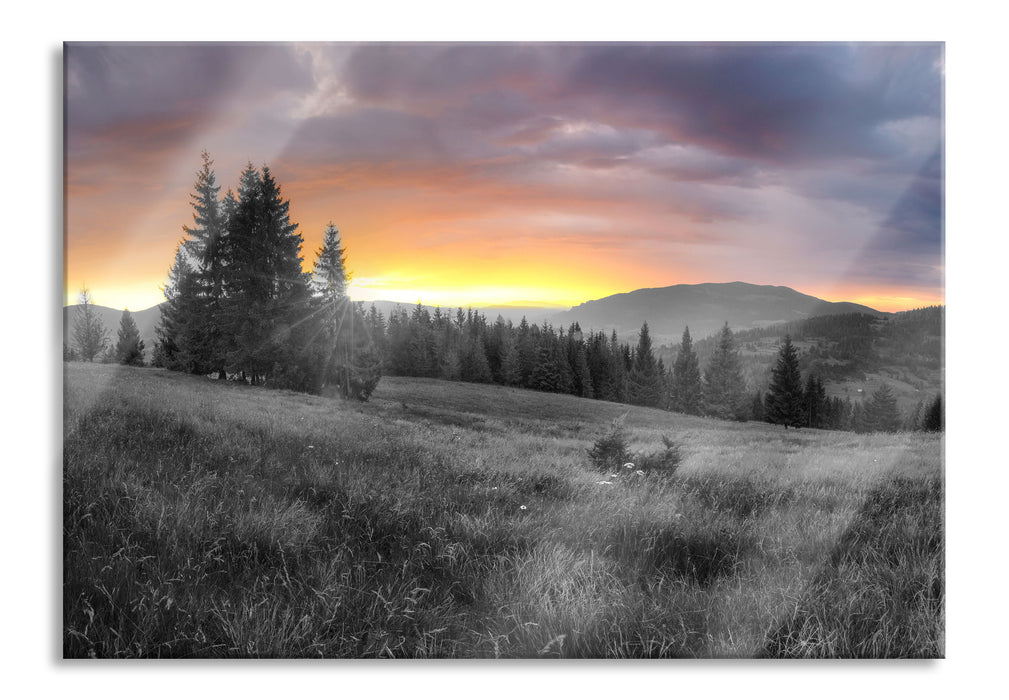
column 208, row 519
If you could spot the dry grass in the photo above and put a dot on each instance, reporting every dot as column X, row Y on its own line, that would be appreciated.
column 446, row 519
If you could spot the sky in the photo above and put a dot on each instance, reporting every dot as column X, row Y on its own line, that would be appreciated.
column 546, row 173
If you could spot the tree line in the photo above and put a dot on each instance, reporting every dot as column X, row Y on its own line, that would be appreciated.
column 239, row 306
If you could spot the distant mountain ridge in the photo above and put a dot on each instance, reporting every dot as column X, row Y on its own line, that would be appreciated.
column 702, row 307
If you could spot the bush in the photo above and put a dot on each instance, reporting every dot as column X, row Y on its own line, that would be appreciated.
column 610, row 451
column 665, row 461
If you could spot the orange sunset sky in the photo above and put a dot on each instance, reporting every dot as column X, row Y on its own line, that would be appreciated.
column 546, row 174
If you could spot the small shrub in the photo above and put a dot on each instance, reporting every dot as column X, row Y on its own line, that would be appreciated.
column 610, row 451
column 666, row 461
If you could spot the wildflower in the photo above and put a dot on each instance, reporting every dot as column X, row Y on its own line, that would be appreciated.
column 523, row 508
column 493, row 488
column 629, row 465
column 604, row 482
column 614, row 476
column 311, row 447
column 640, row 472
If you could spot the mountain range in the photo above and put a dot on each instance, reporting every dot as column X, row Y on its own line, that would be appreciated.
column 702, row 307
column 667, row 310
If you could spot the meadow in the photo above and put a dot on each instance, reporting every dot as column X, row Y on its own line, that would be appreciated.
column 212, row 519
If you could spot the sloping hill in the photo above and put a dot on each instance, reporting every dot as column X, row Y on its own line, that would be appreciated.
column 702, row 307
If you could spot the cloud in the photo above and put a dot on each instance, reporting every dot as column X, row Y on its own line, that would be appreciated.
column 773, row 103
column 124, row 83
column 696, row 155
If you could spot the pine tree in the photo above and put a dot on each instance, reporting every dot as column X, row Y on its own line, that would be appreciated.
column 511, row 367
column 881, row 413
column 686, row 385
column 582, row 375
column 184, row 340
column 619, row 368
column 783, row 405
column 475, row 367
column 360, row 369
column 201, row 347
column 343, row 350
column 644, row 382
column 934, row 420
column 130, row 348
column 90, row 335
column 757, row 407
column 814, row 402
column 267, row 294
column 724, row 391
column 545, row 376
column 528, row 351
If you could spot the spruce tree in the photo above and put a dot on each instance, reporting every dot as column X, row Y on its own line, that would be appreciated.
column 582, row 376
column 814, row 402
column 600, row 364
column 644, row 381
column 200, row 347
column 545, row 376
column 934, row 419
column 130, row 348
column 90, row 335
column 168, row 347
column 511, row 364
column 686, row 385
column 343, row 351
column 724, row 391
column 783, row 405
column 619, row 367
column 475, row 367
column 248, row 282
column 881, row 413
column 267, row 294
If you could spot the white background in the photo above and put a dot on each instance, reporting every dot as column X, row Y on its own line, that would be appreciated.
column 976, row 229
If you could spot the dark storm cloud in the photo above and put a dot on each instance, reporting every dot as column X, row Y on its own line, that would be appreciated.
column 774, row 103
column 746, row 105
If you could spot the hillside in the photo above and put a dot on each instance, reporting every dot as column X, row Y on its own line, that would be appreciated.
column 702, row 307
column 852, row 353
column 442, row 519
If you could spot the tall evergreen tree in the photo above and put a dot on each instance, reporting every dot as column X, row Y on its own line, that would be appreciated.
column 129, row 348
column 881, row 412
column 934, row 418
column 724, row 390
column 266, row 291
column 686, row 384
column 179, row 294
column 619, row 368
column 814, row 402
column 202, row 346
column 580, row 369
column 644, row 382
column 90, row 335
column 783, row 405
column 343, row 350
